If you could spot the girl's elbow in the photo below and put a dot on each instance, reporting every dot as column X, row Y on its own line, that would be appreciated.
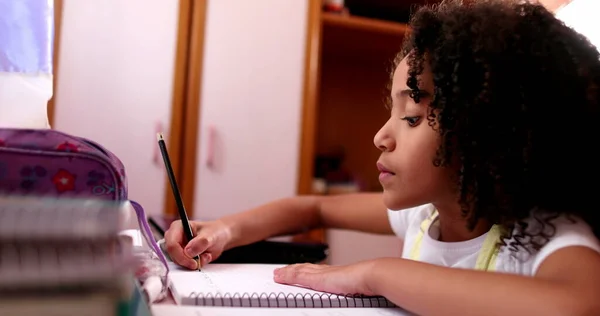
column 579, row 305
column 586, row 309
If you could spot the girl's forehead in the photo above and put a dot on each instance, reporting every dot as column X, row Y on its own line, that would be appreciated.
column 401, row 76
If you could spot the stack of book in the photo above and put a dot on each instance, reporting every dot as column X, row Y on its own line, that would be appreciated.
column 63, row 257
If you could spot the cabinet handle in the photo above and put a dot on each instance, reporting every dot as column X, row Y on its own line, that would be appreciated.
column 210, row 157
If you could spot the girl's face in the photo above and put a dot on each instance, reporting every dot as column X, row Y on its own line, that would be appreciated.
column 408, row 145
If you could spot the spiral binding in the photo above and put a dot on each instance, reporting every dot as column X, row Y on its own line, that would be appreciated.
column 298, row 300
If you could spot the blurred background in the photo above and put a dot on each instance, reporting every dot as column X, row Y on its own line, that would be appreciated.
column 258, row 100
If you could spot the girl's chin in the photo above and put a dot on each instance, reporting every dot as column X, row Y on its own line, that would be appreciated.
column 394, row 202
column 391, row 201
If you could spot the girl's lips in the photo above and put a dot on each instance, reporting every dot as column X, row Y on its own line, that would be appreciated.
column 384, row 173
column 383, row 169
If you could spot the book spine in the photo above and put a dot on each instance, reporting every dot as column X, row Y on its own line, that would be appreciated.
column 47, row 219
column 53, row 265
column 51, row 243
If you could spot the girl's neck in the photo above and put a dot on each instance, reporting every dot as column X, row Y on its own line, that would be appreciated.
column 453, row 227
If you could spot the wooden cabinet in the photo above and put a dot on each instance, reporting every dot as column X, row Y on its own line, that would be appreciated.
column 350, row 60
column 243, row 88
column 248, row 97
column 250, row 94
column 271, row 86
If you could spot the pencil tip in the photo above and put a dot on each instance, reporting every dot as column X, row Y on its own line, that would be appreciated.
column 159, row 136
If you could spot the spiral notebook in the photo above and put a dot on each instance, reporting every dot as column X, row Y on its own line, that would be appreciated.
column 252, row 285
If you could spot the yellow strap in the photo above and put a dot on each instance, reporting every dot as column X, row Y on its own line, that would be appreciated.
column 415, row 252
column 486, row 260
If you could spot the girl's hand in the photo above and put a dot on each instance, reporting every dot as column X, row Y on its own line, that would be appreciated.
column 210, row 240
column 343, row 280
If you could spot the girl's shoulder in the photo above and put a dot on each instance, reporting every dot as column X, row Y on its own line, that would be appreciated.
column 543, row 235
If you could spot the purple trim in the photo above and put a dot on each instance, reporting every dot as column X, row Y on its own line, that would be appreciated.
column 147, row 232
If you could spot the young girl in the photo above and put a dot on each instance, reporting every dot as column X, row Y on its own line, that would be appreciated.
column 488, row 168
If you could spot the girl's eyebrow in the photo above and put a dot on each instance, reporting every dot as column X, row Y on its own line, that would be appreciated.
column 403, row 93
column 406, row 92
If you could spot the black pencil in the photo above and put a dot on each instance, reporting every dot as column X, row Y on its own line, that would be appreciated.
column 187, row 229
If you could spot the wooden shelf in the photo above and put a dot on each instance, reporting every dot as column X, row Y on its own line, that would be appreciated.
column 361, row 23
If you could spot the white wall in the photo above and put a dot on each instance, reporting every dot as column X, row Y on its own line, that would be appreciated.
column 252, row 88
column 115, row 82
column 582, row 16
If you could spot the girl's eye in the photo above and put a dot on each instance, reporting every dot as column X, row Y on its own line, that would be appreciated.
column 411, row 120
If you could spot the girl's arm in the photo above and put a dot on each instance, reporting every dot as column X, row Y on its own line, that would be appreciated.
column 567, row 283
column 362, row 211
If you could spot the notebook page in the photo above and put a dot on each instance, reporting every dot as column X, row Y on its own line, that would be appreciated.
column 169, row 310
column 230, row 279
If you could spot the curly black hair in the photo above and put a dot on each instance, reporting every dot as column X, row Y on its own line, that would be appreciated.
column 516, row 100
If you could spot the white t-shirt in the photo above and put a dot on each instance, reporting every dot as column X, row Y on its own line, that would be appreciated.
column 407, row 223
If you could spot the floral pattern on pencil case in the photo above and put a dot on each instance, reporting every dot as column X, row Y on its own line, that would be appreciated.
column 51, row 163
